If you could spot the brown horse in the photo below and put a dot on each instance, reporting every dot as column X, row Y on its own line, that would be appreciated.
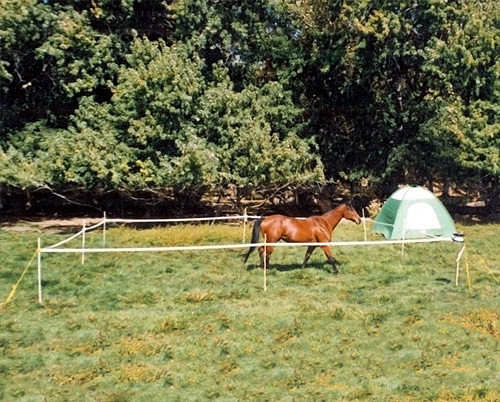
column 315, row 229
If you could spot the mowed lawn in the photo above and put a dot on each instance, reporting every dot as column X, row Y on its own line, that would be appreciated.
column 198, row 326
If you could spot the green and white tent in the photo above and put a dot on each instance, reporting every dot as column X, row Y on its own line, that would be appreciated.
column 413, row 213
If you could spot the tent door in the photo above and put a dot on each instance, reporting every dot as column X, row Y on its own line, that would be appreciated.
column 421, row 216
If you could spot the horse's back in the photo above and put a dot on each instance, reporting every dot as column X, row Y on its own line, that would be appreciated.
column 280, row 227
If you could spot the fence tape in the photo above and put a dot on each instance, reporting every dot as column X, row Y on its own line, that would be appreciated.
column 233, row 246
column 14, row 287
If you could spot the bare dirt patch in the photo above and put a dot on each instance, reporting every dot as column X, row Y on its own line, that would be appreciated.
column 49, row 225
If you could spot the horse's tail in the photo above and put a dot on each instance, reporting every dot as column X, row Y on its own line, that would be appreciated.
column 255, row 237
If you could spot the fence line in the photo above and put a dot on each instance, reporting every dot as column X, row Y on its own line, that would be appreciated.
column 83, row 250
column 81, row 232
column 173, row 220
column 106, row 220
column 243, row 245
column 54, row 248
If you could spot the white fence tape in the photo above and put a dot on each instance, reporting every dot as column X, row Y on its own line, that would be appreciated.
column 234, row 246
column 174, row 220
column 55, row 248
column 81, row 232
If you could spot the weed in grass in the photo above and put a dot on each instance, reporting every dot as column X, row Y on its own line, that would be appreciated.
column 149, row 346
column 486, row 321
column 146, row 297
column 5, row 345
column 114, row 396
column 289, row 331
column 330, row 310
column 197, row 296
column 228, row 365
column 169, row 324
column 142, row 373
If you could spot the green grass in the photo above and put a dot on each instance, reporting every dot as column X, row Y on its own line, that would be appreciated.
column 197, row 326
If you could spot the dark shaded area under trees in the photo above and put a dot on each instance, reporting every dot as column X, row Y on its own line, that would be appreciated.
column 190, row 107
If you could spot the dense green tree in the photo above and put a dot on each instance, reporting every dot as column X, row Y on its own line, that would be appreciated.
column 24, row 85
column 166, row 126
column 382, row 78
column 463, row 99
column 193, row 95
column 55, row 51
column 51, row 56
column 170, row 117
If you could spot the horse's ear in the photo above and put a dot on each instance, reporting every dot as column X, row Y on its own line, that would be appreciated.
column 352, row 200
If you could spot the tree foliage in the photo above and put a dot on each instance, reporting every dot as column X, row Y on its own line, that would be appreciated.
column 145, row 94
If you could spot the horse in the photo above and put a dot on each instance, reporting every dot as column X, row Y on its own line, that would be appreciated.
column 315, row 229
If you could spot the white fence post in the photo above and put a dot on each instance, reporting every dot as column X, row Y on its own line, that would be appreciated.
column 83, row 242
column 104, row 230
column 40, row 299
column 245, row 219
column 264, row 254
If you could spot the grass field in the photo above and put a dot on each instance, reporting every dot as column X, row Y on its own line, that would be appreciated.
column 197, row 326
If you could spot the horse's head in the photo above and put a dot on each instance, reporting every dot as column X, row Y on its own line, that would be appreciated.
column 350, row 213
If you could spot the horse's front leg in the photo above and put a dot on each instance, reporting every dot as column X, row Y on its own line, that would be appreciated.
column 309, row 251
column 329, row 256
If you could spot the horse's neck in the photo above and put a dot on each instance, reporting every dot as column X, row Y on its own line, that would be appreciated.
column 333, row 217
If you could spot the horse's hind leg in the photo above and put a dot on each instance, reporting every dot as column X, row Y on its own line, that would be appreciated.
column 309, row 251
column 262, row 261
column 268, row 253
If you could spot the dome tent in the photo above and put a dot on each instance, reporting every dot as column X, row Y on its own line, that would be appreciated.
column 413, row 212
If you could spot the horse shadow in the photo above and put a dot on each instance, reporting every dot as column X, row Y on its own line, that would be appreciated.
column 320, row 266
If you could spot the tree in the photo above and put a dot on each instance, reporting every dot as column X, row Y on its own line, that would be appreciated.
column 464, row 72
column 24, row 26
column 381, row 79
column 253, row 94
column 170, row 127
